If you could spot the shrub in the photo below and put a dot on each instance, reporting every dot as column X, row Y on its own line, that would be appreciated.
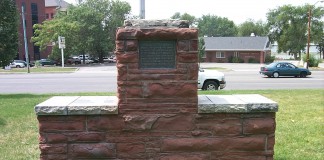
column 269, row 58
column 236, row 60
column 313, row 61
column 252, row 60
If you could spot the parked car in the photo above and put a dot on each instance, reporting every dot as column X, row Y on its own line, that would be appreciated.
column 74, row 60
column 112, row 60
column 86, row 61
column 277, row 69
column 44, row 62
column 85, row 56
column 18, row 64
column 30, row 64
column 211, row 80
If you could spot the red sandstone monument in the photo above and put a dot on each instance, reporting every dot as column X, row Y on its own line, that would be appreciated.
column 157, row 113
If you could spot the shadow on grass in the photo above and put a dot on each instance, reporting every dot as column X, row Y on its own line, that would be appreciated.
column 3, row 122
column 18, row 96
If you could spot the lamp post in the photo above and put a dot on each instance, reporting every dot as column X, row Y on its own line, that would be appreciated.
column 308, row 30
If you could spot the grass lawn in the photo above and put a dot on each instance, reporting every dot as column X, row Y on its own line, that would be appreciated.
column 39, row 70
column 299, row 132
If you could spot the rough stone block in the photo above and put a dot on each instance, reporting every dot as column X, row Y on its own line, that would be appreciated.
column 259, row 126
column 93, row 151
column 53, row 148
column 256, row 143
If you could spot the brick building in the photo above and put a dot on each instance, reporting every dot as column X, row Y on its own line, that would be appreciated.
column 34, row 13
column 51, row 7
column 236, row 49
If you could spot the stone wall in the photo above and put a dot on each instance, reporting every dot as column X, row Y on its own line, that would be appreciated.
column 157, row 113
column 225, row 127
column 157, row 90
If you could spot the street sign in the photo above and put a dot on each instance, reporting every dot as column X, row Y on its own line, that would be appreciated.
column 61, row 41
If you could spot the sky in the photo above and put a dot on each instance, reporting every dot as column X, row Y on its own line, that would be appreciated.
column 236, row 10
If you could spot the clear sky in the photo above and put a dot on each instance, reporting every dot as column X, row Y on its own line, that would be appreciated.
column 235, row 10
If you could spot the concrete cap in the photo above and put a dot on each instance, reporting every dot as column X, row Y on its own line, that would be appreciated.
column 247, row 103
column 168, row 23
column 78, row 105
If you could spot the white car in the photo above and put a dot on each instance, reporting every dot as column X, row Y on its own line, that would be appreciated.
column 17, row 64
column 211, row 80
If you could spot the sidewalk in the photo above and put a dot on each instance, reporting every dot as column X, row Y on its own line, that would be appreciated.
column 240, row 66
column 234, row 66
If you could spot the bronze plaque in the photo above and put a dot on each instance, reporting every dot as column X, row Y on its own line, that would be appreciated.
column 157, row 54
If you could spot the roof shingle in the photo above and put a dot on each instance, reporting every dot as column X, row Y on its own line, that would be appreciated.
column 237, row 43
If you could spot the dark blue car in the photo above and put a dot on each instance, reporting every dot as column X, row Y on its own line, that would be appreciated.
column 277, row 69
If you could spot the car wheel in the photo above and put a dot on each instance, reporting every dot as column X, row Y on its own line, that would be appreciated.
column 275, row 74
column 17, row 66
column 210, row 85
column 303, row 74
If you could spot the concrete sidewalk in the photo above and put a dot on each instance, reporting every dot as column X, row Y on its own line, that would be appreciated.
column 241, row 66
column 234, row 66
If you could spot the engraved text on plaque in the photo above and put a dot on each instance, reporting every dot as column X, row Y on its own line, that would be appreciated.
column 157, row 54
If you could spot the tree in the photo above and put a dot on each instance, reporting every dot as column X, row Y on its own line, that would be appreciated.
column 201, row 48
column 288, row 26
column 8, row 32
column 248, row 27
column 88, row 28
column 213, row 26
column 320, row 48
column 191, row 19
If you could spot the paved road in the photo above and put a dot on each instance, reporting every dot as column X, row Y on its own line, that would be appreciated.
column 103, row 79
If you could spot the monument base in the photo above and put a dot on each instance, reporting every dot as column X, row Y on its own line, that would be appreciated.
column 90, row 127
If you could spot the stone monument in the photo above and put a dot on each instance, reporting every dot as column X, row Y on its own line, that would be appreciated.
column 157, row 113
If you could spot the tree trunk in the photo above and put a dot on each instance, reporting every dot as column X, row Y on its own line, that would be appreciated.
column 299, row 56
column 295, row 56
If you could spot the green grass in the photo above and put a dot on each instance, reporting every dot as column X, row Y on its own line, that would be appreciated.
column 40, row 70
column 299, row 131
column 216, row 68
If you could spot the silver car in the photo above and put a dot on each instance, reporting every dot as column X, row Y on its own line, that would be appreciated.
column 17, row 64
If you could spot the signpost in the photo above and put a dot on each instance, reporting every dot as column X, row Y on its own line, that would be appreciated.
column 61, row 42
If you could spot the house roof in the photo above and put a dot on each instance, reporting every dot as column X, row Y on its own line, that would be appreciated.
column 237, row 43
column 56, row 3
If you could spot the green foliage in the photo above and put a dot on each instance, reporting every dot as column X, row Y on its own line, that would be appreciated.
column 248, row 27
column 191, row 19
column 253, row 60
column 201, row 48
column 214, row 26
column 269, row 58
column 288, row 25
column 233, row 59
column 320, row 47
column 8, row 32
column 89, row 27
column 313, row 61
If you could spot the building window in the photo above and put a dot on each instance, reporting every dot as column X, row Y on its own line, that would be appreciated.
column 34, row 14
column 52, row 15
column 47, row 16
column 236, row 54
column 220, row 55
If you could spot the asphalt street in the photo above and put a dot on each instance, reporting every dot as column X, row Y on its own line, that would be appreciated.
column 104, row 79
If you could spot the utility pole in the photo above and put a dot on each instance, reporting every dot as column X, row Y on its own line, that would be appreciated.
column 25, row 39
column 309, row 31
column 142, row 9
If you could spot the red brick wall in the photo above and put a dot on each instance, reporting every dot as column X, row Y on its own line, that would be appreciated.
column 158, row 136
column 29, row 27
column 244, row 55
